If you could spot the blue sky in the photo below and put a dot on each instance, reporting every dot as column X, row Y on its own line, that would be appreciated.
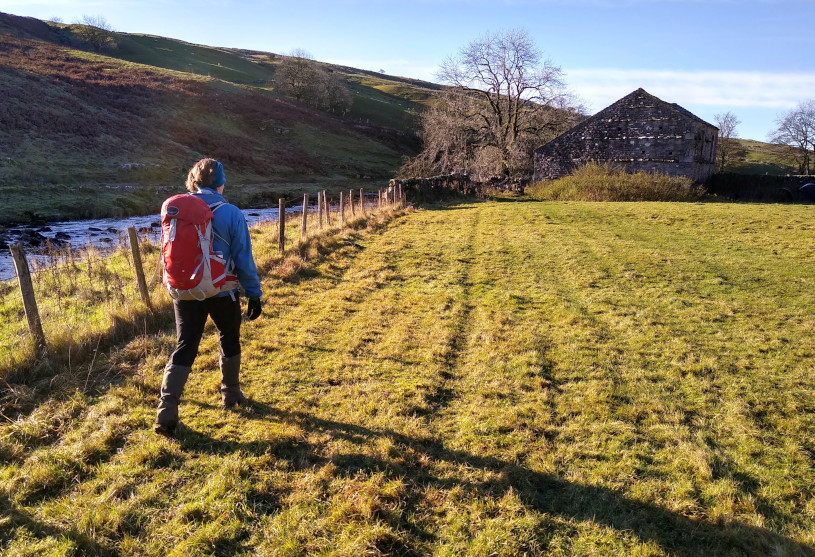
column 750, row 57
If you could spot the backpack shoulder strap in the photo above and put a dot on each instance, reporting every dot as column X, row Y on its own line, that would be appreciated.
column 214, row 207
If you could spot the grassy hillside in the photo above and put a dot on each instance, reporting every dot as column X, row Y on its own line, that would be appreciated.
column 482, row 379
column 177, row 55
column 755, row 157
column 98, row 134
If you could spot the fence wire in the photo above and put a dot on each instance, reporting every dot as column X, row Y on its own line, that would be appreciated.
column 83, row 289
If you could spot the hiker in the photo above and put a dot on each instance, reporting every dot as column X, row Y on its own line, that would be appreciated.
column 230, row 237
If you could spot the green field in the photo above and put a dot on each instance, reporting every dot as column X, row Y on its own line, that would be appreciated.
column 476, row 379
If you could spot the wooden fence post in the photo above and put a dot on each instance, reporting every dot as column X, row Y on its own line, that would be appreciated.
column 320, row 210
column 305, row 216
column 32, row 314
column 327, row 209
column 281, row 230
column 361, row 202
column 351, row 201
column 342, row 210
column 137, row 264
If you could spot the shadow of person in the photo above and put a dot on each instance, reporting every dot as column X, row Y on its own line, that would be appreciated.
column 676, row 534
column 15, row 518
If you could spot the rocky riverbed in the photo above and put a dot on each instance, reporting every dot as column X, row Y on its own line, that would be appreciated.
column 102, row 233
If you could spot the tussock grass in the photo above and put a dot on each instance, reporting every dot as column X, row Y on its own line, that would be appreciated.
column 479, row 379
column 605, row 182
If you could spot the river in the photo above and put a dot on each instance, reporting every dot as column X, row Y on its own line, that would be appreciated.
column 104, row 233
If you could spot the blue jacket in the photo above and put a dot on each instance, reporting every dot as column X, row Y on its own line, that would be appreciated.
column 231, row 237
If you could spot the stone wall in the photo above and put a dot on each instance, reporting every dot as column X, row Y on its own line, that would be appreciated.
column 438, row 187
column 638, row 132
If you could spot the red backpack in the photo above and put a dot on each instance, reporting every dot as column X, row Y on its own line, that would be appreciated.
column 192, row 269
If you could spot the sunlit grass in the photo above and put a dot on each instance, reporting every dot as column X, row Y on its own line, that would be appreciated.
column 480, row 379
column 607, row 182
column 89, row 299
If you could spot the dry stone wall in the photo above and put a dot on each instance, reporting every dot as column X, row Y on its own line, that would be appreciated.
column 435, row 187
column 438, row 187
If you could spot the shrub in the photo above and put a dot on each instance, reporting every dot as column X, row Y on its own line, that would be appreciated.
column 605, row 182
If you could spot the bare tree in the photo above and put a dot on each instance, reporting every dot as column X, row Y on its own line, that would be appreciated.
column 726, row 146
column 96, row 32
column 300, row 76
column 296, row 74
column 498, row 108
column 337, row 96
column 796, row 128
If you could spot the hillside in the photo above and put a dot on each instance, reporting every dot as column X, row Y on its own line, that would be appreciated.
column 755, row 157
column 92, row 134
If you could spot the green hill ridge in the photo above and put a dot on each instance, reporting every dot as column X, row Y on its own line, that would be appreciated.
column 110, row 133
column 107, row 133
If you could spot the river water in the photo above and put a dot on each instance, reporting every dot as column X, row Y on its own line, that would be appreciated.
column 104, row 233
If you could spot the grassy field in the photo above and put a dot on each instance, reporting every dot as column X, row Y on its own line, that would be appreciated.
column 476, row 379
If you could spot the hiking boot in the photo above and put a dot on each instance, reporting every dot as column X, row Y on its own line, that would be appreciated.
column 231, row 393
column 175, row 377
column 234, row 402
column 167, row 430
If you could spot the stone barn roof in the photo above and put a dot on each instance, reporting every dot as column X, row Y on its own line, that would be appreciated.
column 638, row 132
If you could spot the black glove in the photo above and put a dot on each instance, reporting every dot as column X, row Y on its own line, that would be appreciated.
column 254, row 309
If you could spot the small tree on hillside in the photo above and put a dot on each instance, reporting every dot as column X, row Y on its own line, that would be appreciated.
column 337, row 96
column 296, row 74
column 498, row 108
column 300, row 76
column 96, row 32
column 727, row 145
column 796, row 129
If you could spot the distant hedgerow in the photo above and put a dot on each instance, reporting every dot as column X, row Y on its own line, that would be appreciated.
column 605, row 182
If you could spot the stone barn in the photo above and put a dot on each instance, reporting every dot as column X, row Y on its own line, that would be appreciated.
column 638, row 132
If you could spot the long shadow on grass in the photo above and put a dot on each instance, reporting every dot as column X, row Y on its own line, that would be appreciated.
column 543, row 493
column 65, row 370
column 15, row 518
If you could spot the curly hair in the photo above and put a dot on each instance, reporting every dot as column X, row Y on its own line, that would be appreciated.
column 200, row 175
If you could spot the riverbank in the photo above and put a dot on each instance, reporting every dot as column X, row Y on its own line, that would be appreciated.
column 34, row 206
column 40, row 241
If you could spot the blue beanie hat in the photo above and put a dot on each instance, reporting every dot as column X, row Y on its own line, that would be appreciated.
column 218, row 176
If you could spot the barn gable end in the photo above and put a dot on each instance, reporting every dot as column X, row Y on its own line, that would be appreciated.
column 638, row 132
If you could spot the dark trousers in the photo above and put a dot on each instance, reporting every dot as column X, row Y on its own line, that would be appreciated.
column 190, row 318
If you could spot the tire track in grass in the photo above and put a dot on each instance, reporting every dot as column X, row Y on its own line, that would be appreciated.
column 505, row 380
column 447, row 390
column 383, row 331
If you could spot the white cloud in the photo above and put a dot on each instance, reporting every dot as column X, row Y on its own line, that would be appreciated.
column 601, row 87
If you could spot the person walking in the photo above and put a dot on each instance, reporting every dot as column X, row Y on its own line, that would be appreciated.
column 206, row 180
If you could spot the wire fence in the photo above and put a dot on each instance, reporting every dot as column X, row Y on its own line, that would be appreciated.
column 61, row 297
